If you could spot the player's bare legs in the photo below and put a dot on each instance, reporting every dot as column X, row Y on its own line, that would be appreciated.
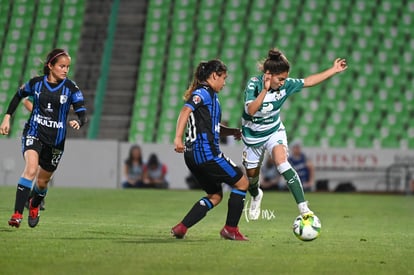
column 24, row 186
column 39, row 193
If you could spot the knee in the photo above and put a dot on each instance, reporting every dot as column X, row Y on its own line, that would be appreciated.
column 30, row 173
column 283, row 167
column 215, row 198
column 42, row 182
column 253, row 172
column 242, row 184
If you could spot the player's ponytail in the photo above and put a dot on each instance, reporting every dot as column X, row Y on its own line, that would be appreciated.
column 203, row 72
column 52, row 58
column 275, row 63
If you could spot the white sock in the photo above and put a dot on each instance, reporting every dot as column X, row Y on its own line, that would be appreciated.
column 303, row 207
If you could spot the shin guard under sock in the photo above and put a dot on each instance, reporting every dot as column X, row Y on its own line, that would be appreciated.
column 294, row 185
column 22, row 194
column 254, row 186
column 198, row 212
column 235, row 207
column 38, row 195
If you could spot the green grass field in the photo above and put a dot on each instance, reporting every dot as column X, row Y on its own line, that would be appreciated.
column 101, row 231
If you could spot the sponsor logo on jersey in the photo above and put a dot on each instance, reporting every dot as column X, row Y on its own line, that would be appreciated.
column 196, row 99
column 280, row 94
column 49, row 108
column 45, row 121
column 267, row 107
column 63, row 99
column 254, row 79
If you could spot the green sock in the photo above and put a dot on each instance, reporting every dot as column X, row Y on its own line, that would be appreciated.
column 294, row 185
column 254, row 186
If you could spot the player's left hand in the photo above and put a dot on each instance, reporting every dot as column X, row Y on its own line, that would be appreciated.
column 74, row 124
column 340, row 65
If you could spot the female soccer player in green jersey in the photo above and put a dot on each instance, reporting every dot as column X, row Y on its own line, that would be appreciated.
column 263, row 130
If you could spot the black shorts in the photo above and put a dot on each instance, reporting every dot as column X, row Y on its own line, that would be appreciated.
column 49, row 157
column 210, row 175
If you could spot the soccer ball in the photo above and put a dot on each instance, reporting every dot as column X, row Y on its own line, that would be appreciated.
column 307, row 229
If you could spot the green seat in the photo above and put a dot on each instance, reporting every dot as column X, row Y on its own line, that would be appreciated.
column 337, row 141
column 363, row 142
column 390, row 142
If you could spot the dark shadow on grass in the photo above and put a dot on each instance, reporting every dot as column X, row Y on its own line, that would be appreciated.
column 160, row 239
column 127, row 237
column 131, row 239
column 7, row 229
column 155, row 241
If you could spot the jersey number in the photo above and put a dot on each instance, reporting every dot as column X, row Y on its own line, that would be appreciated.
column 191, row 129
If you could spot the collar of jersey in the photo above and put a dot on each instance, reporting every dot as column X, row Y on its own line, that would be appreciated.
column 55, row 88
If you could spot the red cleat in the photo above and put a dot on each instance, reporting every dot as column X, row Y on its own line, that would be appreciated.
column 16, row 219
column 179, row 231
column 232, row 233
column 33, row 214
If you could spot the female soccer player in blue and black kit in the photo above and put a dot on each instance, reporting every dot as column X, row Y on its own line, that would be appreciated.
column 202, row 114
column 43, row 139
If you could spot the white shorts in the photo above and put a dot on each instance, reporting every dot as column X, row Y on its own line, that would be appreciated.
column 253, row 155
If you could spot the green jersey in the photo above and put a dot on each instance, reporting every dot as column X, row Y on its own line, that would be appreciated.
column 256, row 129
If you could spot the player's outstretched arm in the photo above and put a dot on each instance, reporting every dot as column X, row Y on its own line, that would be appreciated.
column 338, row 66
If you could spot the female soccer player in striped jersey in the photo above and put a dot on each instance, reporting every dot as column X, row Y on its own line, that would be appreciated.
column 202, row 155
column 263, row 130
column 43, row 138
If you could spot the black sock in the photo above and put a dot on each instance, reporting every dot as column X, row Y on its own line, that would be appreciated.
column 235, row 207
column 37, row 199
column 38, row 195
column 22, row 194
column 198, row 212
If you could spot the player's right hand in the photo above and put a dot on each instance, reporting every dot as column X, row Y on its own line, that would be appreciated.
column 266, row 81
column 5, row 127
column 179, row 146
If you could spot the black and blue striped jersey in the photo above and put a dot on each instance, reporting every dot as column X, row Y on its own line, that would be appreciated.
column 51, row 105
column 203, row 125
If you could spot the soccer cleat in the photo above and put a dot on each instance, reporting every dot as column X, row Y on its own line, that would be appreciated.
column 42, row 204
column 307, row 214
column 255, row 202
column 179, row 231
column 232, row 233
column 33, row 215
column 16, row 219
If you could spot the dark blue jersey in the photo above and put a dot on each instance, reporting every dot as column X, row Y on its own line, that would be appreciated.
column 51, row 105
column 203, row 126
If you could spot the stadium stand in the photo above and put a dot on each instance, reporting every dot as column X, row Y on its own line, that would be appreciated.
column 369, row 106
column 31, row 29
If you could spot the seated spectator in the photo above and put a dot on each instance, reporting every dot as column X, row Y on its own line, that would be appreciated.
column 133, row 168
column 155, row 173
column 270, row 177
